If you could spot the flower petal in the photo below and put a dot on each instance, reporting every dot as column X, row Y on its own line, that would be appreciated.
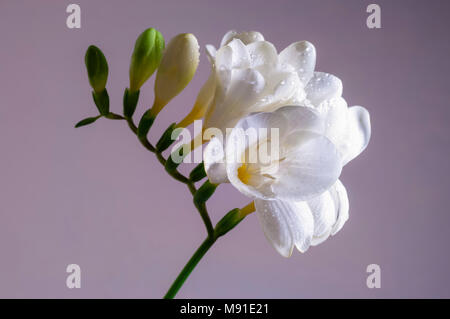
column 335, row 112
column 324, row 212
column 243, row 89
column 211, row 52
column 223, row 61
column 245, row 37
column 302, row 56
column 262, row 54
column 323, row 86
column 281, row 88
column 339, row 195
column 311, row 165
column 302, row 118
column 316, row 240
column 358, row 133
column 245, row 134
column 241, row 56
column 286, row 224
column 306, row 164
column 224, row 57
column 213, row 158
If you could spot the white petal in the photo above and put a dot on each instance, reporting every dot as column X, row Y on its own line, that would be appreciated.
column 228, row 37
column 281, row 87
column 302, row 56
column 340, row 198
column 262, row 54
column 335, row 113
column 224, row 58
column 323, row 86
column 311, row 165
column 213, row 158
column 302, row 118
column 287, row 119
column 241, row 56
column 269, row 120
column 324, row 213
column 286, row 224
column 320, row 239
column 233, row 55
column 246, row 84
column 243, row 90
column 358, row 133
column 237, row 145
column 245, row 37
column 211, row 52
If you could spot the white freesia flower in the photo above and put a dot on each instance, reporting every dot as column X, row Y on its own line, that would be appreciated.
column 305, row 164
column 301, row 202
column 248, row 75
column 298, row 197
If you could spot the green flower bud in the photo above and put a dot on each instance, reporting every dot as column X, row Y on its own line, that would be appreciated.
column 178, row 66
column 232, row 218
column 130, row 100
column 169, row 136
column 144, row 126
column 228, row 222
column 204, row 192
column 97, row 68
column 198, row 173
column 178, row 155
column 146, row 57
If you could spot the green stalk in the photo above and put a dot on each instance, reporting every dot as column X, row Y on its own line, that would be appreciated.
column 198, row 255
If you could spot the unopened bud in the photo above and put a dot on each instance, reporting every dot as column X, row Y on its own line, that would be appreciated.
column 177, row 68
column 97, row 68
column 146, row 57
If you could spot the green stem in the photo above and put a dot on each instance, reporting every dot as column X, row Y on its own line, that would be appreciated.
column 201, row 207
column 179, row 177
column 131, row 125
column 198, row 255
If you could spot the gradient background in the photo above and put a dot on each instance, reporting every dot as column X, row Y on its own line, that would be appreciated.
column 93, row 196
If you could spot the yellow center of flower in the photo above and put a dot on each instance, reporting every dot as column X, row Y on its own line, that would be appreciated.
column 243, row 174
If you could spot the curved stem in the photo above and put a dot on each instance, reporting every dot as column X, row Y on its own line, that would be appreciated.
column 162, row 160
column 201, row 207
column 131, row 125
column 198, row 255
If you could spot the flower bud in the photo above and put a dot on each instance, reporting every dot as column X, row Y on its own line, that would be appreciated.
column 146, row 57
column 178, row 66
column 232, row 218
column 97, row 68
column 228, row 222
column 169, row 136
column 204, row 192
column 198, row 173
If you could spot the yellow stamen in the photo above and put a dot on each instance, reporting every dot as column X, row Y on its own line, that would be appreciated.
column 243, row 174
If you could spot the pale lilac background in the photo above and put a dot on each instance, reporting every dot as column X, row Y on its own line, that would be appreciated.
column 95, row 197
